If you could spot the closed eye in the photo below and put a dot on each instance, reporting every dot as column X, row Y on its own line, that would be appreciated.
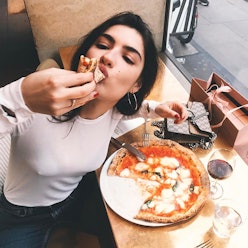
column 102, row 46
column 128, row 60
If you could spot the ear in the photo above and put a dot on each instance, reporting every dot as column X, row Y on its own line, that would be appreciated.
column 136, row 87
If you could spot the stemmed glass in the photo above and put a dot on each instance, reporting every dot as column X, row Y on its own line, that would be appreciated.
column 220, row 166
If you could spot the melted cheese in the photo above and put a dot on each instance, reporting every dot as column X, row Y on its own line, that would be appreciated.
column 173, row 174
column 169, row 162
column 153, row 160
column 165, row 206
column 167, row 193
column 141, row 166
column 183, row 172
column 185, row 197
column 125, row 173
column 197, row 190
column 184, row 186
column 159, row 170
column 181, row 203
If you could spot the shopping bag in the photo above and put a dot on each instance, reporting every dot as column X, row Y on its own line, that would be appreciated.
column 228, row 110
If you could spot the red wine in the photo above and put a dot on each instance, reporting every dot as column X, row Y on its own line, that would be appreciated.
column 219, row 169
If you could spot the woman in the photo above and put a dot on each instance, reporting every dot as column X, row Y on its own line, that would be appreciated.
column 50, row 155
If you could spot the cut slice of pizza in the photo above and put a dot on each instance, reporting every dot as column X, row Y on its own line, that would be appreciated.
column 90, row 65
column 173, row 201
column 172, row 177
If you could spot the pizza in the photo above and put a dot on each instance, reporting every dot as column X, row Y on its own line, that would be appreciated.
column 173, row 179
column 90, row 65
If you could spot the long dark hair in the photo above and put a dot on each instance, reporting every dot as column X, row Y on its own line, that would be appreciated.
column 149, row 72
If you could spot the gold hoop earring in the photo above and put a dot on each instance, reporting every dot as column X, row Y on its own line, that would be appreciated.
column 130, row 102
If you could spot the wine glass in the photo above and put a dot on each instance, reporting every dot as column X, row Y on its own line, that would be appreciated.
column 220, row 166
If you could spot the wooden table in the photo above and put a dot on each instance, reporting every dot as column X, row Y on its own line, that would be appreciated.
column 197, row 229
column 192, row 232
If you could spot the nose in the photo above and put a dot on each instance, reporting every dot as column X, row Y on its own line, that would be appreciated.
column 107, row 60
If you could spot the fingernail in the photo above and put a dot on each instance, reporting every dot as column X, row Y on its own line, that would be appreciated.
column 177, row 116
column 96, row 94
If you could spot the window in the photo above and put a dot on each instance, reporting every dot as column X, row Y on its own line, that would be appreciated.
column 218, row 43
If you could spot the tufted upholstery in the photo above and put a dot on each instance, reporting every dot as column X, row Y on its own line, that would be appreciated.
column 61, row 23
column 4, row 158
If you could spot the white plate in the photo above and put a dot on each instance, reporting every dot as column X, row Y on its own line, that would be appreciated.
column 123, row 195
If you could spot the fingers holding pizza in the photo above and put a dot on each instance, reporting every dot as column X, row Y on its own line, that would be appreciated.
column 52, row 91
column 56, row 91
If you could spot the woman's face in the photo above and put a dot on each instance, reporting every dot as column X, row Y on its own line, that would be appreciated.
column 120, row 51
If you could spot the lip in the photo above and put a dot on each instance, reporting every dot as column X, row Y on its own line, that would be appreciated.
column 103, row 70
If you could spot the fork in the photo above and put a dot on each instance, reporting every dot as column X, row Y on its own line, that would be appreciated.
column 146, row 134
column 206, row 244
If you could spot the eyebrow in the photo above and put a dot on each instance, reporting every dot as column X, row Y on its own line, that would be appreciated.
column 128, row 48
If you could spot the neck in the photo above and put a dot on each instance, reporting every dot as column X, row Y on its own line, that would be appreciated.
column 94, row 109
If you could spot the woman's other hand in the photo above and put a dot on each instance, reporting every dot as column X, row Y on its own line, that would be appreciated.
column 57, row 91
column 173, row 110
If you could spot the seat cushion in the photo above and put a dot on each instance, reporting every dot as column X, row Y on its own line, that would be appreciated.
column 61, row 23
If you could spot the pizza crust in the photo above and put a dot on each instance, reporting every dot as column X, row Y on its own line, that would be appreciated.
column 113, row 168
column 202, row 175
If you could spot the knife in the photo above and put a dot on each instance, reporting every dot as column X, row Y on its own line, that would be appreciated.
column 141, row 156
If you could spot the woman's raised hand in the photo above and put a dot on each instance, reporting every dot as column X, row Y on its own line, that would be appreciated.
column 57, row 91
column 173, row 110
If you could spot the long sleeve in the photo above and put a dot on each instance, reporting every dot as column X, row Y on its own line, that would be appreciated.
column 147, row 110
column 12, row 107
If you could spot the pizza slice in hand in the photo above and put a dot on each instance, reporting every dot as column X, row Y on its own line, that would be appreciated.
column 90, row 65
